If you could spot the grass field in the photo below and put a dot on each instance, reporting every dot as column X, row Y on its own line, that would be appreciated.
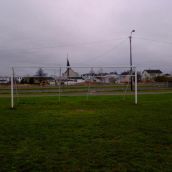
column 105, row 133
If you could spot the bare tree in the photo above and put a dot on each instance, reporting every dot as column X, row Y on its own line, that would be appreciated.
column 40, row 73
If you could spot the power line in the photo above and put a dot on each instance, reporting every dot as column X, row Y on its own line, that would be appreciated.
column 110, row 50
column 67, row 45
column 152, row 40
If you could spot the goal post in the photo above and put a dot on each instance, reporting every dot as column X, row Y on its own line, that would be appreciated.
column 12, row 87
column 72, row 81
column 135, row 81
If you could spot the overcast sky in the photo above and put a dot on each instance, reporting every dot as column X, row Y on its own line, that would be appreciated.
column 92, row 32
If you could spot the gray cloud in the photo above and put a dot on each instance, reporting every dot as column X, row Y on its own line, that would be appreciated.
column 93, row 32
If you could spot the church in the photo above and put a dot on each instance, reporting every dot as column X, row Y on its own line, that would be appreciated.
column 70, row 73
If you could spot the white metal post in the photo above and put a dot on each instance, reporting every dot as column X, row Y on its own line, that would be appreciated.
column 60, row 85
column 89, row 83
column 136, row 86
column 12, row 87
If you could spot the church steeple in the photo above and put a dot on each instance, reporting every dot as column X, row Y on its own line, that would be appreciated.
column 68, row 64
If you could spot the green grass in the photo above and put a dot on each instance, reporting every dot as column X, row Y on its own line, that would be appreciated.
column 105, row 133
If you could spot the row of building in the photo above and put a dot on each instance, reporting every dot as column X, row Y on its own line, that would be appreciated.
column 72, row 77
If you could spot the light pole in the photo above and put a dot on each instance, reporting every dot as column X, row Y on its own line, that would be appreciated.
column 131, row 62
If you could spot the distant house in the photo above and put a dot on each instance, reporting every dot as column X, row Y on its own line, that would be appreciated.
column 150, row 75
column 124, row 77
column 37, row 80
column 18, row 79
column 93, row 77
column 4, row 79
column 107, row 78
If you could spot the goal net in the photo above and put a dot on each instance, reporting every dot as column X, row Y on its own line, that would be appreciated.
column 72, row 81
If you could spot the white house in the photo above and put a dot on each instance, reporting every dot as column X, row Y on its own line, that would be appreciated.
column 18, row 79
column 149, row 75
column 108, row 78
column 124, row 77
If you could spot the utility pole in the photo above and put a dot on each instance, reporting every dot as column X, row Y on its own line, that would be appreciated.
column 131, row 60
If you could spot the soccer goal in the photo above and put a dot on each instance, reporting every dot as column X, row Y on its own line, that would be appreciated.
column 27, row 81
